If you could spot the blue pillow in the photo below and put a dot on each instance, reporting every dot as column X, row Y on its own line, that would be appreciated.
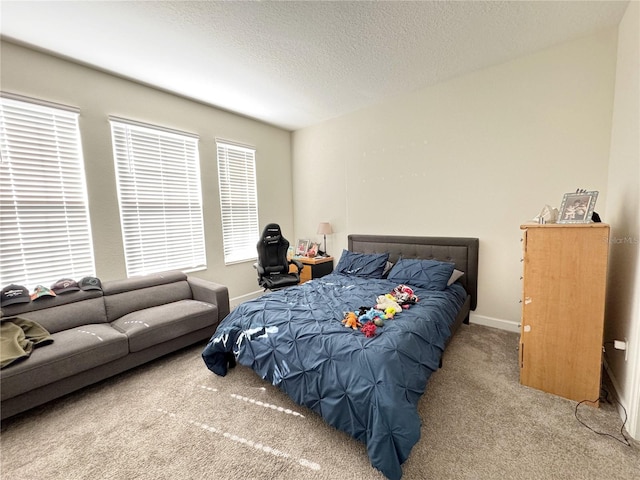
column 367, row 265
column 429, row 274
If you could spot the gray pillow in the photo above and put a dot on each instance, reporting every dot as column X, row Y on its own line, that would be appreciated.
column 454, row 277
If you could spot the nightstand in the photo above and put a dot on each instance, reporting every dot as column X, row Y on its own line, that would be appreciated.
column 315, row 267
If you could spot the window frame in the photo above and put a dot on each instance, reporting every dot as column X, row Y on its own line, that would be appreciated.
column 44, row 207
column 238, row 190
column 159, row 197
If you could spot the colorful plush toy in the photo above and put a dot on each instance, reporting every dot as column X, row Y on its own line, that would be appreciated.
column 371, row 315
column 404, row 296
column 388, row 305
column 369, row 329
column 350, row 320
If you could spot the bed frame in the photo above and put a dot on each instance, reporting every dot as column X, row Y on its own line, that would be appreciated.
column 463, row 251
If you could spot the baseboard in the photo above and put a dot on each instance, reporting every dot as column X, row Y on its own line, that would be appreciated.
column 235, row 301
column 612, row 378
column 623, row 406
column 508, row 325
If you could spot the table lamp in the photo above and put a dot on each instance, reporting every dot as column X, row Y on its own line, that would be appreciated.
column 324, row 229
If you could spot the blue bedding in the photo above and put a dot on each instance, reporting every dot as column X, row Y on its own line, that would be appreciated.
column 367, row 387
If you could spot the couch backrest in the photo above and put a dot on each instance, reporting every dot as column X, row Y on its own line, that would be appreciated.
column 117, row 298
column 125, row 296
column 67, row 310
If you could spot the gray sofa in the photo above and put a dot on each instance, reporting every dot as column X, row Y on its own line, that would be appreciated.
column 100, row 333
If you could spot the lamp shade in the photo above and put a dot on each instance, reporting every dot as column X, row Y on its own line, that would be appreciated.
column 324, row 228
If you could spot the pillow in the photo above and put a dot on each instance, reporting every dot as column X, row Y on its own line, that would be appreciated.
column 454, row 277
column 362, row 264
column 387, row 269
column 429, row 274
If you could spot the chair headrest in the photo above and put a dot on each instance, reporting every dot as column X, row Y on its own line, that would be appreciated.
column 272, row 229
column 271, row 234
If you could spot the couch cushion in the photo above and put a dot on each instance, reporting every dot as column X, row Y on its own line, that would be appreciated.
column 120, row 304
column 71, row 352
column 162, row 323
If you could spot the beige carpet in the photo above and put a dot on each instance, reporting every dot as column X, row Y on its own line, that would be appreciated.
column 173, row 419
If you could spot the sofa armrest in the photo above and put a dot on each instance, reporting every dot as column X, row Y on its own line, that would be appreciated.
column 211, row 292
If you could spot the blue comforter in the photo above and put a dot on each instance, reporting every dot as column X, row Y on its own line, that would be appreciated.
column 367, row 387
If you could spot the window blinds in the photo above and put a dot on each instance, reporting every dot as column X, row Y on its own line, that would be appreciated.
column 45, row 231
column 238, row 201
column 158, row 180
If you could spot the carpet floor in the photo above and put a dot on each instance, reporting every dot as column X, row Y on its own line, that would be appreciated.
column 173, row 419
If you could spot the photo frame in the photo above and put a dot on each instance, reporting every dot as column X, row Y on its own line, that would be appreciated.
column 577, row 207
column 301, row 247
column 313, row 249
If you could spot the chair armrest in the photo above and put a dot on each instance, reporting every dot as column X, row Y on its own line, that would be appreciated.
column 297, row 263
column 211, row 292
column 259, row 268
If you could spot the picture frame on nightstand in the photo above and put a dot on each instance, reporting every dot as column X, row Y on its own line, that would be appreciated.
column 301, row 247
column 313, row 249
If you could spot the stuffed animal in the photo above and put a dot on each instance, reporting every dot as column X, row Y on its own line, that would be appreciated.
column 388, row 305
column 350, row 320
column 369, row 329
column 404, row 296
column 371, row 315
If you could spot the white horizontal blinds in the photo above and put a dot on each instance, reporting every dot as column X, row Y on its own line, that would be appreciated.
column 238, row 201
column 158, row 178
column 45, row 232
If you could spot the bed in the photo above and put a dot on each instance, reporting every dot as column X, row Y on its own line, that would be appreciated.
column 367, row 386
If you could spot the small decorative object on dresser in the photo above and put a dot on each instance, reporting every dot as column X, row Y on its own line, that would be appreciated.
column 577, row 207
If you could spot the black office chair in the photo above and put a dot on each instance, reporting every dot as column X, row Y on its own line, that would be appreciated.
column 272, row 264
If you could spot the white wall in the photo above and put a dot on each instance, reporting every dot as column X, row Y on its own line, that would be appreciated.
column 623, row 212
column 97, row 95
column 474, row 156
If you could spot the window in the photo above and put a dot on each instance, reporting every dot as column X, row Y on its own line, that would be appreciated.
column 158, row 179
column 45, row 233
column 238, row 201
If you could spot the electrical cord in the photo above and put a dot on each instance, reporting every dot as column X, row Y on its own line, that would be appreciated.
column 605, row 398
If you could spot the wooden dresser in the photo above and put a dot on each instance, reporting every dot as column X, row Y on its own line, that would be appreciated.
column 565, row 270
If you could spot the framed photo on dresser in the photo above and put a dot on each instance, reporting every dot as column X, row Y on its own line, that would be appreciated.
column 577, row 207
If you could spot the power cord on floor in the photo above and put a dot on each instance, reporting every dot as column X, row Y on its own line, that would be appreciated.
column 605, row 398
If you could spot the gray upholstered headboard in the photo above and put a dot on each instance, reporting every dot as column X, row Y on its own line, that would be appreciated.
column 463, row 251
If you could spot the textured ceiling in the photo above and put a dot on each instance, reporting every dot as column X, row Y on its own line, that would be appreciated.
column 295, row 64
